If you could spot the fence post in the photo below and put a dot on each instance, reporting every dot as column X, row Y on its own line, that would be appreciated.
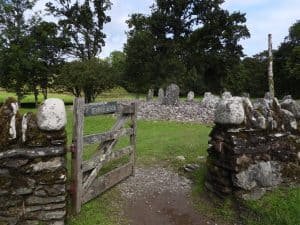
column 133, row 125
column 78, row 117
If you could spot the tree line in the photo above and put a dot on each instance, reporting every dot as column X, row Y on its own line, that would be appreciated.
column 194, row 43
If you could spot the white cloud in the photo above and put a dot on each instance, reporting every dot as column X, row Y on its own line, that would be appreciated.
column 115, row 30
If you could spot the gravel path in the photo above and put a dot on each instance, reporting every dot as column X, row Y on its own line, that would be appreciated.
column 158, row 196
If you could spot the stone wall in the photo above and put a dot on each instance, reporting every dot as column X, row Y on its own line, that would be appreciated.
column 253, row 147
column 33, row 165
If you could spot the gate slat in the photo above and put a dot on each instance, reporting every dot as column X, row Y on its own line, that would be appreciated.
column 107, row 181
column 110, row 135
column 94, row 109
column 77, row 155
column 92, row 163
column 106, row 148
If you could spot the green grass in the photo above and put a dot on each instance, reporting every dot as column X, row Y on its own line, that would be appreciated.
column 279, row 207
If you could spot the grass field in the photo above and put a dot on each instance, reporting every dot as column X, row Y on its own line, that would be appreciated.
column 160, row 143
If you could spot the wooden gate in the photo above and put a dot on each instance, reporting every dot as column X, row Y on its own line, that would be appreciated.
column 86, row 182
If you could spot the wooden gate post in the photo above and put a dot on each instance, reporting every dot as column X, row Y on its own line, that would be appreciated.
column 78, row 116
column 133, row 135
column 270, row 67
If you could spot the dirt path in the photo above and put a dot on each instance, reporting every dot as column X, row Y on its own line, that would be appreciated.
column 158, row 196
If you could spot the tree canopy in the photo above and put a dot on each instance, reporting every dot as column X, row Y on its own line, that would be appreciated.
column 83, row 24
column 184, row 37
column 17, row 56
column 89, row 77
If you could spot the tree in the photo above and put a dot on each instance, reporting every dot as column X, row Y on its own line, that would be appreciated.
column 83, row 24
column 16, row 45
column 117, row 61
column 90, row 77
column 286, row 63
column 184, row 38
column 249, row 76
column 49, row 48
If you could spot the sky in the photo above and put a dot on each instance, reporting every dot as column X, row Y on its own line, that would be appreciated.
column 263, row 17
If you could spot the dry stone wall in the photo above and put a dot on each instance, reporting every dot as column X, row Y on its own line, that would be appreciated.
column 253, row 147
column 33, row 165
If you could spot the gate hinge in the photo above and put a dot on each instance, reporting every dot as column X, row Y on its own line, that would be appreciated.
column 72, row 148
column 72, row 188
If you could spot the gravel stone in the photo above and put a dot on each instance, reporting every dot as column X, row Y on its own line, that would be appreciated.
column 156, row 179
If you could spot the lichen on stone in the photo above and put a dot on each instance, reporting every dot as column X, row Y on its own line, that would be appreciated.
column 9, row 124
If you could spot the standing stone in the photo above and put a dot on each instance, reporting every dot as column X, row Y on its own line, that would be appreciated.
column 161, row 96
column 51, row 115
column 210, row 100
column 190, row 96
column 172, row 95
column 226, row 95
column 150, row 95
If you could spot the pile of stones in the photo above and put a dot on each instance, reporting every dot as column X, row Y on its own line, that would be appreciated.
column 254, row 146
column 182, row 112
column 169, row 107
column 32, row 164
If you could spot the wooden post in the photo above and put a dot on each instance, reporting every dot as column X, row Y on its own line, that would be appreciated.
column 270, row 67
column 133, row 135
column 78, row 113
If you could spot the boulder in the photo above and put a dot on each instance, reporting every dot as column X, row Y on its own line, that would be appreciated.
column 287, row 97
column 51, row 115
column 172, row 95
column 289, row 120
column 230, row 111
column 190, row 96
column 261, row 174
column 292, row 106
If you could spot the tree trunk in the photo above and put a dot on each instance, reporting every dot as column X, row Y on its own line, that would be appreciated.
column 36, row 94
column 45, row 93
column 270, row 67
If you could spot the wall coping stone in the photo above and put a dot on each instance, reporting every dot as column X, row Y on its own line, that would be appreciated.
column 33, row 152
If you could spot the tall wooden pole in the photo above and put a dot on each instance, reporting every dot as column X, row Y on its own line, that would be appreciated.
column 270, row 67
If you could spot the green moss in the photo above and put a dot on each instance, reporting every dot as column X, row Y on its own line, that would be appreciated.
column 36, row 137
